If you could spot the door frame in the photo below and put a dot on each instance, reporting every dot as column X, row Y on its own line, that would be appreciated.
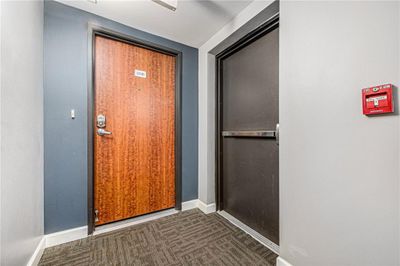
column 268, row 26
column 93, row 31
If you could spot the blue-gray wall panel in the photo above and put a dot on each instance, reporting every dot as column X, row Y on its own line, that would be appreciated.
column 65, row 88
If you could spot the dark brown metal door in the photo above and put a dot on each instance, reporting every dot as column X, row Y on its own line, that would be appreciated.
column 249, row 161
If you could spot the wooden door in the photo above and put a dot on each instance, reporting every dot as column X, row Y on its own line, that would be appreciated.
column 134, row 166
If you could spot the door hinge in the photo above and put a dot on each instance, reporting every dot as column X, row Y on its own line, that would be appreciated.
column 96, row 215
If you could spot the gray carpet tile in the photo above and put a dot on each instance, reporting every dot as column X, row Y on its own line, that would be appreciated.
column 186, row 238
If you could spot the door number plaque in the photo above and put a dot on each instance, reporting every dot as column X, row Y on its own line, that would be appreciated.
column 140, row 73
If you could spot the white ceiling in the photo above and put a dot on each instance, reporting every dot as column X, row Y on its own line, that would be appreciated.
column 193, row 23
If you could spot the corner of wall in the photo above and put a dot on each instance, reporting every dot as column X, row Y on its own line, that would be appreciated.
column 21, row 157
column 37, row 254
column 206, row 144
column 282, row 262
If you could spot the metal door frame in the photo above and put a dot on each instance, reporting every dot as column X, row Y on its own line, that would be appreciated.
column 93, row 31
column 249, row 38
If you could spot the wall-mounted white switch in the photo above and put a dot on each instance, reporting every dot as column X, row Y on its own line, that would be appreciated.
column 73, row 113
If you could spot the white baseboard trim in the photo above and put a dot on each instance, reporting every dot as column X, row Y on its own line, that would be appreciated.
column 66, row 236
column 34, row 260
column 73, row 234
column 196, row 203
column 206, row 208
column 257, row 236
column 191, row 204
column 282, row 262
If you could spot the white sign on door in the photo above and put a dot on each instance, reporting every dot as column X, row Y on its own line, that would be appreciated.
column 140, row 73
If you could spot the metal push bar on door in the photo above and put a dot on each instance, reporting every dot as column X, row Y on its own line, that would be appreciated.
column 250, row 134
column 273, row 134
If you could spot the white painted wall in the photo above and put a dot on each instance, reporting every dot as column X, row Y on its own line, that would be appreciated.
column 21, row 186
column 207, row 100
column 339, row 170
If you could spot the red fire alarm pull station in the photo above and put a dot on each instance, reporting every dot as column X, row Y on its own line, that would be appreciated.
column 378, row 100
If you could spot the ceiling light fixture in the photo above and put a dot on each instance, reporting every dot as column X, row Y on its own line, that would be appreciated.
column 170, row 4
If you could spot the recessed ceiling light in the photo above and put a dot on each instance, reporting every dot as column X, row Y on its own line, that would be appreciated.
column 170, row 4
column 92, row 1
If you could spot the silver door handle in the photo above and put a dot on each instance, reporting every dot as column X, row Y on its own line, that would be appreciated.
column 277, row 134
column 249, row 134
column 102, row 132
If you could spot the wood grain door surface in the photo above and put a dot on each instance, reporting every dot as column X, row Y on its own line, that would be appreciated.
column 134, row 167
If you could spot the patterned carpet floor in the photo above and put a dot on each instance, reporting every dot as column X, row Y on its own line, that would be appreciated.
column 186, row 238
